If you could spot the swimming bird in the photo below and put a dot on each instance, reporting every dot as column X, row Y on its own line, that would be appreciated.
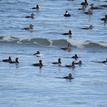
column 68, row 48
column 77, row 62
column 7, row 60
column 67, row 14
column 37, row 7
column 104, row 5
column 89, row 12
column 75, row 57
column 105, row 61
column 82, row 8
column 59, row 61
column 88, row 27
column 68, row 33
column 37, row 54
column 31, row 16
column 104, row 19
column 94, row 7
column 30, row 27
column 85, row 3
column 71, row 65
column 40, row 64
column 16, row 61
column 69, row 76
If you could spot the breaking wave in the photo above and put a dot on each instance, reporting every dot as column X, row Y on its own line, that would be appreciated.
column 57, row 43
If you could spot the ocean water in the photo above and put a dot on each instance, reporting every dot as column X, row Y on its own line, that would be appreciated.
column 25, row 85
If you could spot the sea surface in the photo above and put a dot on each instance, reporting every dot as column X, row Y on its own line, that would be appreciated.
column 23, row 85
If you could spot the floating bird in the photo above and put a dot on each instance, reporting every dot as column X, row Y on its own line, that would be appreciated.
column 104, row 19
column 59, row 61
column 77, row 62
column 31, row 16
column 75, row 57
column 104, row 5
column 30, row 27
column 40, row 64
column 67, row 14
column 89, row 12
column 37, row 54
column 69, row 76
column 105, row 61
column 69, row 33
column 68, row 48
column 88, row 28
column 94, row 7
column 16, row 61
column 70, row 65
column 37, row 7
column 7, row 60
column 85, row 3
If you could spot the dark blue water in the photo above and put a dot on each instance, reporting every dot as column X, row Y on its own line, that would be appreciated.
column 24, row 85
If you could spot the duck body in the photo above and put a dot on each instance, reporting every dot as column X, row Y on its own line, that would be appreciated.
column 95, row 8
column 69, row 76
column 31, row 16
column 75, row 57
column 37, row 7
column 30, row 27
column 14, row 62
column 105, row 61
column 88, row 27
column 37, row 54
column 40, row 64
column 71, row 65
column 78, row 62
column 59, row 61
column 7, row 60
column 67, row 14
column 68, row 33
column 89, row 12
column 104, row 5
column 104, row 19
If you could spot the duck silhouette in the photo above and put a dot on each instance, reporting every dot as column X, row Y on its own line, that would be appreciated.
column 14, row 62
column 71, row 65
column 77, row 62
column 59, row 61
column 85, row 3
column 31, row 16
column 88, row 27
column 40, row 64
column 30, row 27
column 7, row 60
column 67, row 14
column 69, row 76
column 37, row 54
column 75, row 57
column 94, row 7
column 69, row 33
column 104, row 19
column 37, row 7
column 89, row 12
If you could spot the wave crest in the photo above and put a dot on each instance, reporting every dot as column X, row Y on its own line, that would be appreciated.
column 58, row 43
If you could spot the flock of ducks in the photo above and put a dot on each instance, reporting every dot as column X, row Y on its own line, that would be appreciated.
column 84, row 6
column 40, row 64
column 32, row 16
